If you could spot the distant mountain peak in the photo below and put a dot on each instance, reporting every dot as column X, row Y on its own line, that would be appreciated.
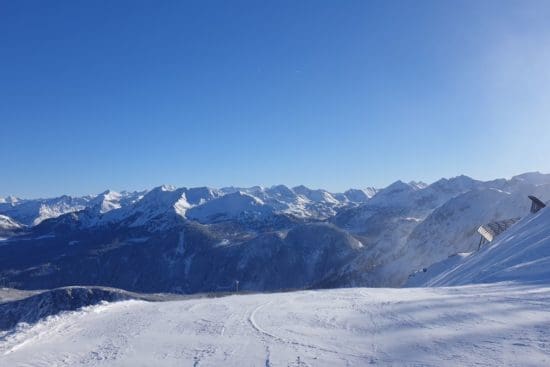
column 536, row 178
column 418, row 184
column 165, row 188
column 7, row 223
column 9, row 199
column 398, row 186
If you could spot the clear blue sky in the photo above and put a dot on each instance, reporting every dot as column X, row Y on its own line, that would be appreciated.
column 332, row 94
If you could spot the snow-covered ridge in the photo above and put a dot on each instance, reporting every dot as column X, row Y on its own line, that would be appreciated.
column 299, row 201
column 9, row 227
column 230, row 206
column 6, row 223
column 33, row 211
column 110, row 200
column 521, row 254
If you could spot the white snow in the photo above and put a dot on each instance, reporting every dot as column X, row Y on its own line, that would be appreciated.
column 157, row 202
column 6, row 223
column 452, row 227
column 46, row 211
column 490, row 325
column 301, row 201
column 230, row 206
column 322, row 196
column 421, row 277
column 111, row 200
column 521, row 254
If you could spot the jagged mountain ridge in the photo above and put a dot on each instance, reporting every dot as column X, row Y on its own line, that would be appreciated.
column 299, row 201
column 203, row 239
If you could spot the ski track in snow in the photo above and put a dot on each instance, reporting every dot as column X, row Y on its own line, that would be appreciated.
column 485, row 325
column 278, row 339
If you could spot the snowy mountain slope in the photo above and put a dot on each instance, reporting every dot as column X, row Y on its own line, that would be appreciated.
column 155, row 203
column 110, row 200
column 7, row 224
column 201, row 195
column 407, row 200
column 414, row 194
column 476, row 325
column 8, row 227
column 230, row 206
column 387, row 219
column 533, row 178
column 159, row 208
column 430, row 224
column 452, row 228
column 300, row 202
column 32, row 212
column 360, row 195
column 422, row 277
column 521, row 254
column 318, row 196
column 303, row 202
column 384, row 234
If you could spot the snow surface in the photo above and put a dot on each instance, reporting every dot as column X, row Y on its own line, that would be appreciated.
column 521, row 254
column 489, row 325
column 423, row 277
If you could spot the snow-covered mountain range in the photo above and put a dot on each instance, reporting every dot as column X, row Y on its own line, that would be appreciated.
column 482, row 302
column 204, row 239
column 228, row 202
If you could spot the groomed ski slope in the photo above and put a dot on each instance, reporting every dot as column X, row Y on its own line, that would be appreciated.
column 484, row 325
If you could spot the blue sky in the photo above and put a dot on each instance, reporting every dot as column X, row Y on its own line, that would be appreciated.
column 332, row 94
